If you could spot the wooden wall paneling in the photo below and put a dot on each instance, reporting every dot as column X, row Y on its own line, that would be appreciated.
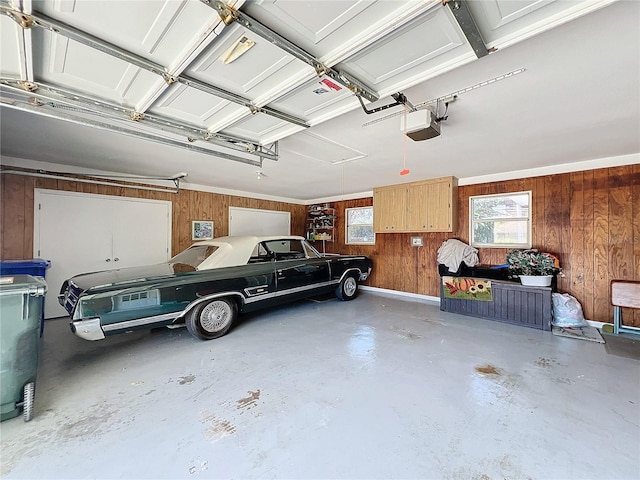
column 588, row 235
column 13, row 217
column 68, row 185
column 570, row 217
column 410, row 264
column 538, row 211
column 387, row 253
column 209, row 210
column 102, row 189
column 47, row 183
column 182, row 234
column 564, row 282
column 86, row 188
column 27, row 248
column 406, row 263
column 620, row 224
column 298, row 219
column 462, row 231
column 376, row 279
column 198, row 209
column 621, row 261
column 338, row 229
column 423, row 273
column 597, row 232
column 498, row 256
column 222, row 213
column 576, row 283
column 601, row 307
column 242, row 202
column 392, row 241
column 635, row 202
column 175, row 223
column 552, row 241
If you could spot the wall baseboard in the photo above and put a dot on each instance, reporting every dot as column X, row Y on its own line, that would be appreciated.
column 398, row 293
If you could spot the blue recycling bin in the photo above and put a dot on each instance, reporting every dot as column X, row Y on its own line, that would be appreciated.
column 36, row 267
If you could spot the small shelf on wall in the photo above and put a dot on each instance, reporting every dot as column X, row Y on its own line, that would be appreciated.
column 320, row 225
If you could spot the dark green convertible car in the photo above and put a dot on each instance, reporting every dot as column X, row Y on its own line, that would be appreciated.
column 207, row 286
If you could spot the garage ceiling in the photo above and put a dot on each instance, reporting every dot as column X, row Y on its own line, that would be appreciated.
column 160, row 87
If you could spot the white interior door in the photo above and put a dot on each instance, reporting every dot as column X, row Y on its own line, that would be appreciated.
column 82, row 233
column 250, row 221
column 135, row 226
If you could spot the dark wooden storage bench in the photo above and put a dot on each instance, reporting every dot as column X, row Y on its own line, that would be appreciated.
column 512, row 303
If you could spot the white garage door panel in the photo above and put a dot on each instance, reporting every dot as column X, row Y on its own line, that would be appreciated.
column 82, row 233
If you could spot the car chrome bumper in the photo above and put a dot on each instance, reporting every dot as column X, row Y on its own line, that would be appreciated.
column 89, row 329
column 364, row 276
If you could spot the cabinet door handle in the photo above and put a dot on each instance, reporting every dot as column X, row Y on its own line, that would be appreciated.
column 116, row 259
column 108, row 260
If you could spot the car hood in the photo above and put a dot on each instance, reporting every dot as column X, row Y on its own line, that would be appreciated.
column 132, row 275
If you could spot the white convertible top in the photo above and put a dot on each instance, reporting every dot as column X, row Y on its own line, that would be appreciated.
column 236, row 250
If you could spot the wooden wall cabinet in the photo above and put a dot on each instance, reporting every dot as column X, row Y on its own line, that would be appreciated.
column 424, row 206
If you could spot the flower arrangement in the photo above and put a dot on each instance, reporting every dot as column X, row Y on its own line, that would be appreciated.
column 531, row 262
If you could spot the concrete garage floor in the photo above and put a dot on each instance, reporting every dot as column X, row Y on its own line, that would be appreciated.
column 380, row 387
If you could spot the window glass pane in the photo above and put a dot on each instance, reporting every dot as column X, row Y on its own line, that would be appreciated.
column 296, row 246
column 502, row 220
column 511, row 232
column 360, row 216
column 361, row 234
column 514, row 205
column 360, row 225
column 278, row 245
column 310, row 251
column 194, row 255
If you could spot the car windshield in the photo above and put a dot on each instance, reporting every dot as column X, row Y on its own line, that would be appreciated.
column 193, row 256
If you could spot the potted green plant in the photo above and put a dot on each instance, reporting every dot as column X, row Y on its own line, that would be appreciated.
column 532, row 267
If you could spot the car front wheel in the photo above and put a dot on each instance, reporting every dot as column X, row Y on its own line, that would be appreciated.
column 211, row 319
column 348, row 289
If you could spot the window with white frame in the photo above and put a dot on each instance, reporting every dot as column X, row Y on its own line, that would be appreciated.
column 502, row 220
column 359, row 224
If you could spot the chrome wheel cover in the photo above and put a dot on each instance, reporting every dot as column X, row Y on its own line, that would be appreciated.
column 350, row 286
column 215, row 316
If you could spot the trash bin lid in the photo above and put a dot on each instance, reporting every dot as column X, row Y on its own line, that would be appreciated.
column 25, row 263
column 21, row 284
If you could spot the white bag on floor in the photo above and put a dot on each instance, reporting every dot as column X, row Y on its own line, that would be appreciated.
column 567, row 311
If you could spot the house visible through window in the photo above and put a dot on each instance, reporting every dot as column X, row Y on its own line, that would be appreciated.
column 360, row 226
column 502, row 220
